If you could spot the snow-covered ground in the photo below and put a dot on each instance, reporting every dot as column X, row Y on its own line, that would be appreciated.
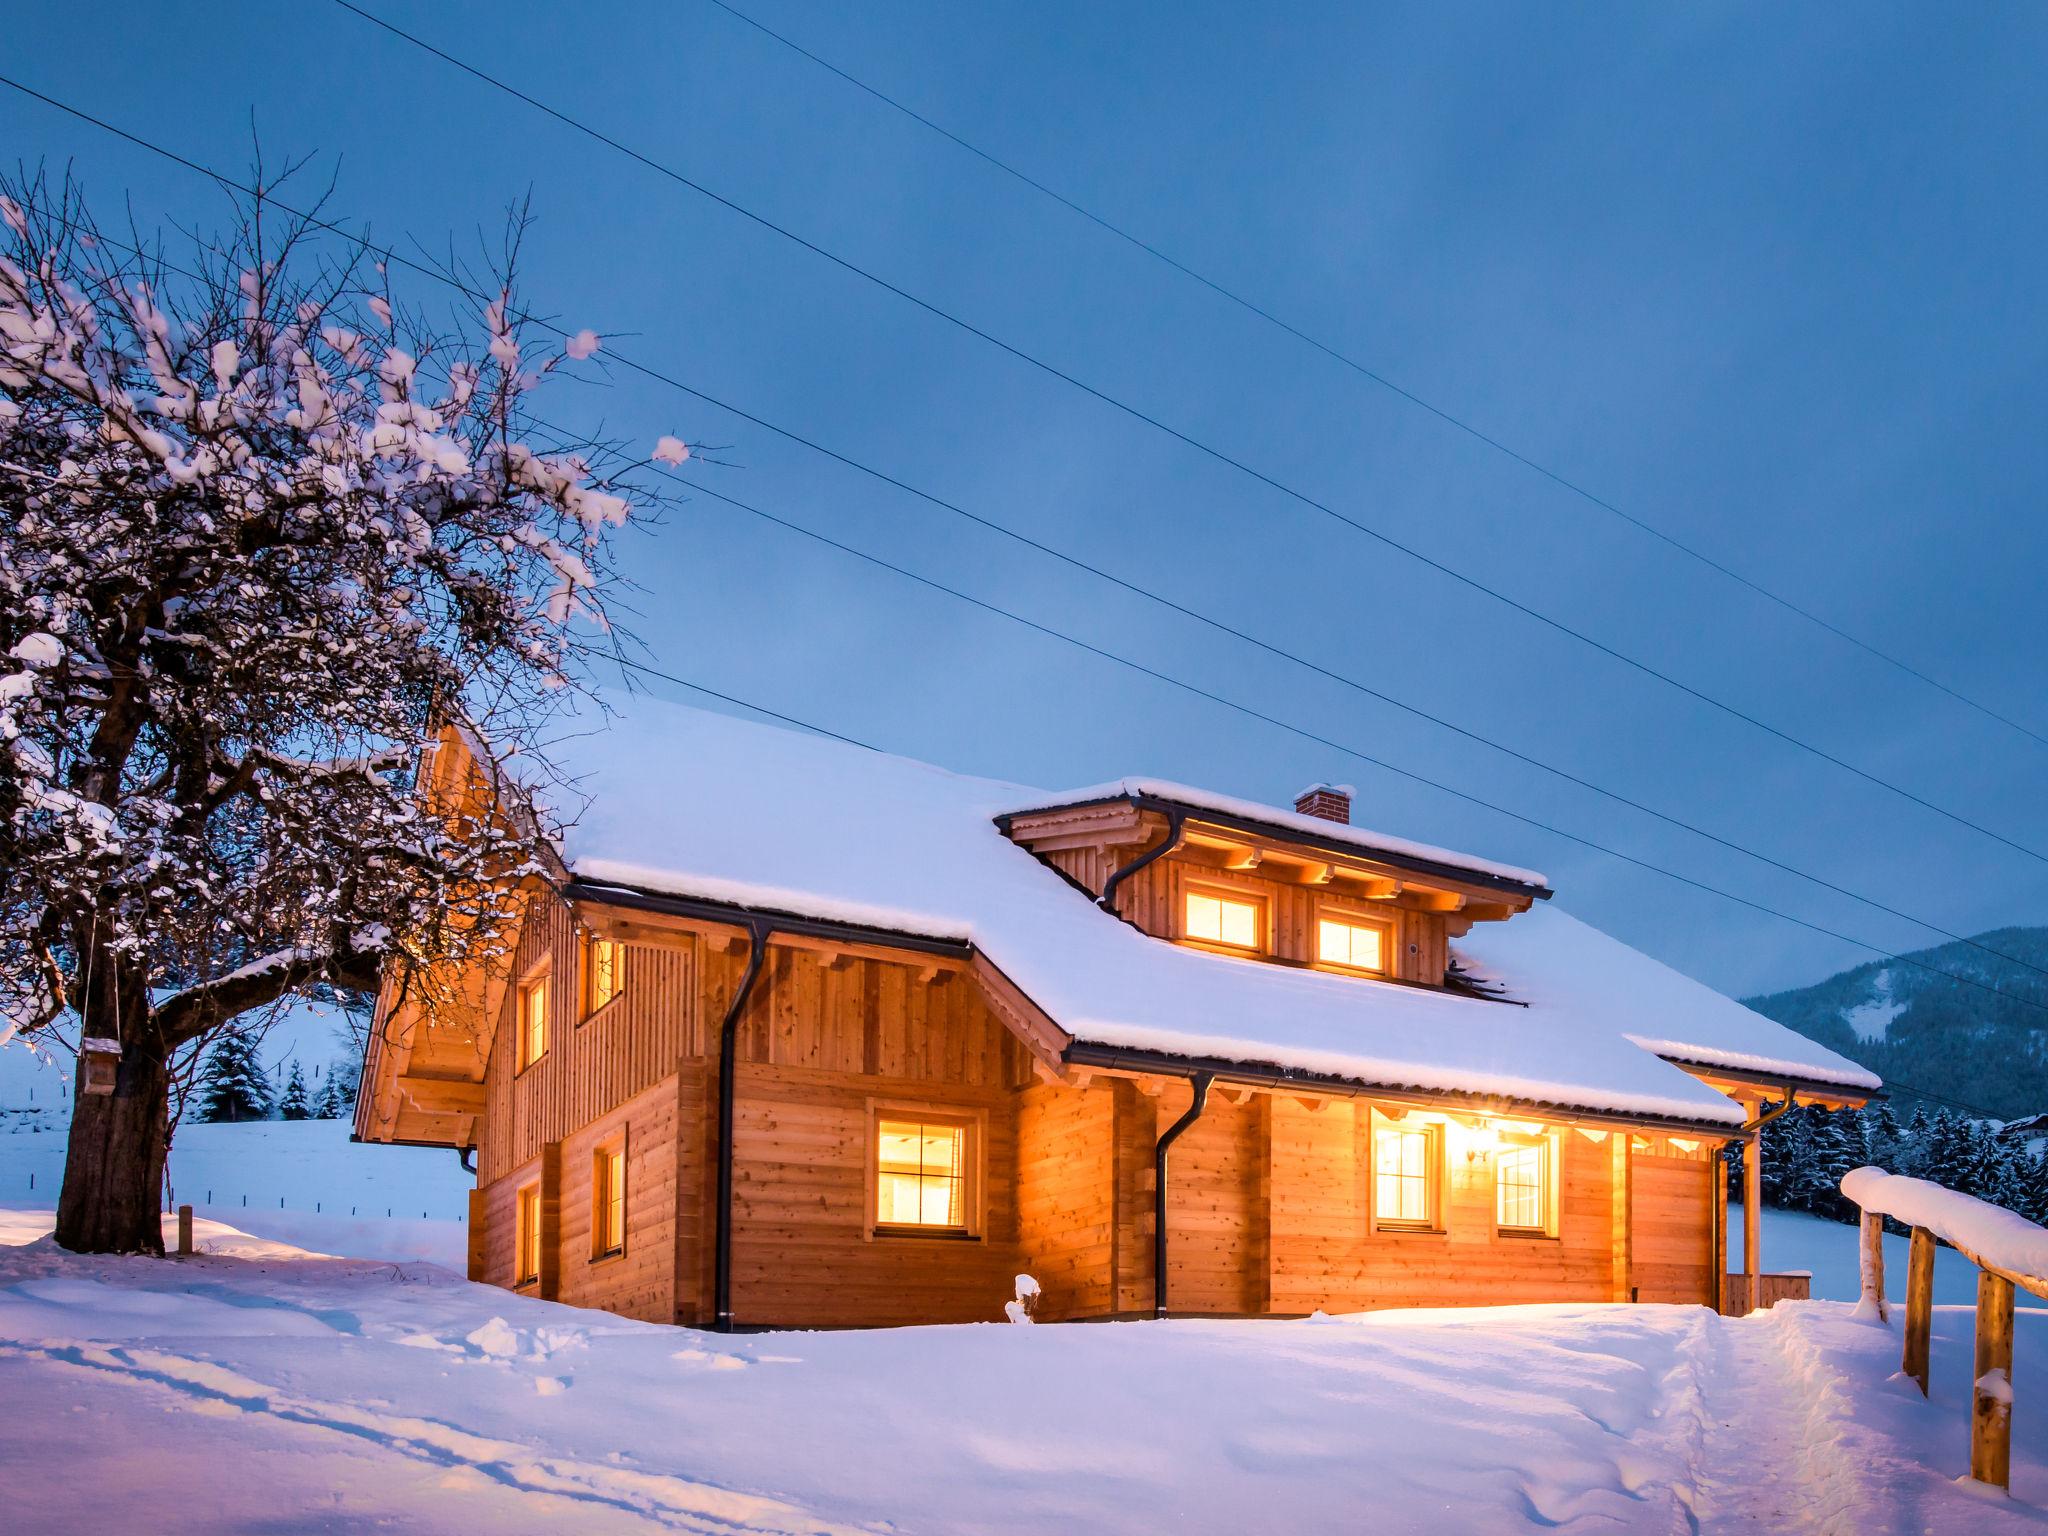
column 337, row 1395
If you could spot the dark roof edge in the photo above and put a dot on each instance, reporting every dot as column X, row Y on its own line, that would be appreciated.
column 1083, row 1053
column 1293, row 834
column 1797, row 1081
column 782, row 920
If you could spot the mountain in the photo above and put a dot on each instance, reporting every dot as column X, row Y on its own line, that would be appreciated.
column 1981, row 1041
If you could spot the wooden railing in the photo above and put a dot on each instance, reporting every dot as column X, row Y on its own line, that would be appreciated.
column 1970, row 1226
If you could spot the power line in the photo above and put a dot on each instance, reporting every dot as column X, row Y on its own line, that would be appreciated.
column 1448, row 417
column 393, row 256
column 1200, row 446
column 808, row 725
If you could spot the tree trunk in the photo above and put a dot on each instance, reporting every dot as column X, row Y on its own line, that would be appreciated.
column 114, row 1163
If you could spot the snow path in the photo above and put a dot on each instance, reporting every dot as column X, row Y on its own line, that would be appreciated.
column 1770, row 1457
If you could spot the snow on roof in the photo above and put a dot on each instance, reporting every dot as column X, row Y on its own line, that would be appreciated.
column 1319, row 827
column 691, row 803
column 1553, row 961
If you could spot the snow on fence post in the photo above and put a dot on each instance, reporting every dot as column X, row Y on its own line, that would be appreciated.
column 1871, row 1302
column 1991, row 1396
column 2008, row 1250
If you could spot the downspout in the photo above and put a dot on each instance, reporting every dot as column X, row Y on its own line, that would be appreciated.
column 1201, row 1081
column 1176, row 824
column 728, row 1073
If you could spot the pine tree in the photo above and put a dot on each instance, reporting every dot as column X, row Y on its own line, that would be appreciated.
column 2008, row 1184
column 1881, row 1137
column 1833, row 1152
column 2036, row 1169
column 336, row 1102
column 1945, row 1158
column 1913, row 1144
column 293, row 1105
column 232, row 1084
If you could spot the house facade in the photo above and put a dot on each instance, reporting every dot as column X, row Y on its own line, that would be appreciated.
column 802, row 1035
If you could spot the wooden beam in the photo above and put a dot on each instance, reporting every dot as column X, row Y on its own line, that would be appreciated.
column 1873, row 1267
column 1024, row 1018
column 1991, row 1398
column 1752, row 1214
column 1919, row 1305
column 442, row 1095
column 1242, row 859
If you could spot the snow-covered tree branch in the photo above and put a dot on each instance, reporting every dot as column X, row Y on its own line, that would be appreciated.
column 265, row 531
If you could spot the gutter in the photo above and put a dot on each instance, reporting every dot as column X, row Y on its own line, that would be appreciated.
column 1200, row 1081
column 1176, row 828
column 1083, row 1053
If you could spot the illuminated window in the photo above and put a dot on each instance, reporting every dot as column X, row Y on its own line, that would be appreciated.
column 1406, row 1160
column 1521, row 1181
column 921, row 1174
column 1223, row 920
column 533, row 1021
column 526, row 1254
column 604, row 973
column 1342, row 941
column 608, row 1200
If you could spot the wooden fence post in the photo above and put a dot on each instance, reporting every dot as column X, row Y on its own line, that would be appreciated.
column 1991, row 1398
column 1919, row 1305
column 1873, row 1265
column 184, row 1231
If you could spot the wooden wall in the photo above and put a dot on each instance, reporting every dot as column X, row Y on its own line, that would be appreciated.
column 1155, row 899
column 1268, row 1197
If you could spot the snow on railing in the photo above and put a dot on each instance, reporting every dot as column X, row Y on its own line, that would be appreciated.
column 2008, row 1250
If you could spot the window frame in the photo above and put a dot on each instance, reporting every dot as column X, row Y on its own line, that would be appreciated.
column 1545, row 1144
column 1436, row 1167
column 603, row 1196
column 973, row 1121
column 1350, row 917
column 524, row 1197
column 1261, row 924
column 539, row 975
column 590, row 1009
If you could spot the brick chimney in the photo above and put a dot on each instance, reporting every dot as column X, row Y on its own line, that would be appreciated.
column 1332, row 802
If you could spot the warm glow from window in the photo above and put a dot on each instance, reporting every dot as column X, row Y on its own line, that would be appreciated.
column 526, row 1258
column 604, row 962
column 920, row 1174
column 533, row 1022
column 1404, row 1165
column 1220, row 920
column 1521, row 1176
column 608, row 1200
column 1362, row 946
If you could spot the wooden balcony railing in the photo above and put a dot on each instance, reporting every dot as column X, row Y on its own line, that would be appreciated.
column 2008, row 1250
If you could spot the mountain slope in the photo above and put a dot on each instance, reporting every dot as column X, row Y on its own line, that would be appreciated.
column 1928, row 1034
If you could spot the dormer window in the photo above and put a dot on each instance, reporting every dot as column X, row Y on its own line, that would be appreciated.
column 1356, row 943
column 1214, row 917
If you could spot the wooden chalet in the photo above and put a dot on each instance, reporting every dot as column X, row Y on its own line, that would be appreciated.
column 799, row 1034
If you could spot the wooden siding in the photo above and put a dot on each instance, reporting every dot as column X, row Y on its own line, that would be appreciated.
column 1268, row 1204
column 1155, row 898
column 1671, row 1228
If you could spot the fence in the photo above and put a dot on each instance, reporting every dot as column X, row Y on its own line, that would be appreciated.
column 2010, row 1253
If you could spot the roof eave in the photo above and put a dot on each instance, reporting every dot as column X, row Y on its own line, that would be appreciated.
column 1332, row 845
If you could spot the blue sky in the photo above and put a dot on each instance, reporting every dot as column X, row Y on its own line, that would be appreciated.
column 1767, row 277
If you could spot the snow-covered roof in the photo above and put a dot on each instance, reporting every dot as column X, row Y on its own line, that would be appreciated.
column 1318, row 828
column 685, row 802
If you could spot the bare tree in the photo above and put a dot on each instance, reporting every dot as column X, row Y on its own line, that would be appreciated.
column 263, row 530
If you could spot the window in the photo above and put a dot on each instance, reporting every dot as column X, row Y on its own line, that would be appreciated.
column 1407, row 1161
column 604, row 973
column 1353, row 942
column 608, row 1199
column 921, row 1168
column 526, row 1246
column 1213, row 918
column 533, row 1020
column 1521, row 1182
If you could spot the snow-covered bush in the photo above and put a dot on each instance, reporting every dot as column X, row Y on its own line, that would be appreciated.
column 263, row 529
